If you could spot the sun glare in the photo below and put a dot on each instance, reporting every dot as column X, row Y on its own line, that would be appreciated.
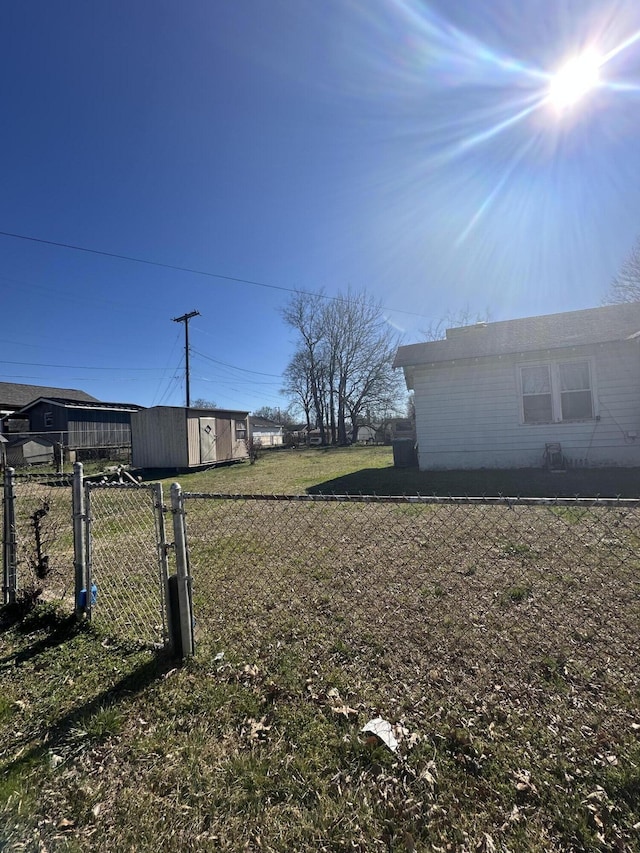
column 574, row 80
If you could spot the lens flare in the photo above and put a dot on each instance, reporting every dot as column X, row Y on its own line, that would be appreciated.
column 575, row 80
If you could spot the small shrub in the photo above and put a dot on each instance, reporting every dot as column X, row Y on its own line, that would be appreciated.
column 515, row 594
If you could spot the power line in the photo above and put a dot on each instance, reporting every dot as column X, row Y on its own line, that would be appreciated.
column 233, row 367
column 76, row 366
column 191, row 270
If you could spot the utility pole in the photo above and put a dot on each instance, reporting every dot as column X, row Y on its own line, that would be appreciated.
column 185, row 319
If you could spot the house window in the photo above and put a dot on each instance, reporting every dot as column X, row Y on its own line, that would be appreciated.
column 556, row 392
column 576, row 402
column 536, row 394
column 48, row 419
column 241, row 430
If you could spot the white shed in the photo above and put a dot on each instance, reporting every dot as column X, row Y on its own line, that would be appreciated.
column 176, row 437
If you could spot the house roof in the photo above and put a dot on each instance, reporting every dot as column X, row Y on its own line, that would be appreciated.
column 81, row 404
column 528, row 334
column 264, row 423
column 16, row 396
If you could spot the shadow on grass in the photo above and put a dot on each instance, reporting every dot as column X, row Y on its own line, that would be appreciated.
column 521, row 482
column 58, row 629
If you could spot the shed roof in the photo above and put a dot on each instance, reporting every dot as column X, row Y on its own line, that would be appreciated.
column 14, row 395
column 528, row 334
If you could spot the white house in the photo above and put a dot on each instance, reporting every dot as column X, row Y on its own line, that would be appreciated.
column 561, row 389
column 266, row 432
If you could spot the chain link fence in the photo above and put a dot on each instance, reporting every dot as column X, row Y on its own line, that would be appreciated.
column 391, row 596
column 127, row 564
column 41, row 534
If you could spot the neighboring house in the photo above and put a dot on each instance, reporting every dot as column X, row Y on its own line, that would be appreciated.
column 266, row 432
column 366, row 435
column 561, row 389
column 14, row 396
column 175, row 437
column 394, row 428
column 77, row 424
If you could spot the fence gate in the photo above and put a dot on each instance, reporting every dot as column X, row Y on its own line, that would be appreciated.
column 37, row 538
column 127, row 569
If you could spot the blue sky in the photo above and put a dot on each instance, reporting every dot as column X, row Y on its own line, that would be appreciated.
column 301, row 144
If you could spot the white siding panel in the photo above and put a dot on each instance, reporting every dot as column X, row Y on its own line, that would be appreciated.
column 193, row 439
column 468, row 414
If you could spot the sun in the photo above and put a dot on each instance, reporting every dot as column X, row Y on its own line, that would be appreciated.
column 574, row 80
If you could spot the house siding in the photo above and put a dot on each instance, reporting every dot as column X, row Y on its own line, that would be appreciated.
column 104, row 429
column 468, row 413
column 267, row 438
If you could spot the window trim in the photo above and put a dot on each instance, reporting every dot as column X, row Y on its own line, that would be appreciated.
column 240, row 426
column 48, row 419
column 556, row 392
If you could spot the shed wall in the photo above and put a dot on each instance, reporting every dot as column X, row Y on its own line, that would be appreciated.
column 468, row 414
column 159, row 438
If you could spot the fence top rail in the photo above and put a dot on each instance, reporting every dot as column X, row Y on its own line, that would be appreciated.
column 127, row 487
column 46, row 477
column 484, row 500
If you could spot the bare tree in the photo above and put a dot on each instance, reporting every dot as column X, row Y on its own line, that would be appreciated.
column 625, row 286
column 297, row 384
column 343, row 362
column 437, row 329
column 275, row 414
column 202, row 403
column 305, row 314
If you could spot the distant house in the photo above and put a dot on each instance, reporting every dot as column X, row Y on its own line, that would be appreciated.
column 76, row 424
column 366, row 434
column 179, row 438
column 560, row 389
column 394, row 428
column 266, row 432
column 14, row 396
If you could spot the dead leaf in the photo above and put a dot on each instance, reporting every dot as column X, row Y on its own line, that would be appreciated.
column 409, row 842
column 344, row 710
column 66, row 825
column 258, row 729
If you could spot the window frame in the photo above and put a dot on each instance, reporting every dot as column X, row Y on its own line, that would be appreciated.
column 48, row 419
column 240, row 426
column 554, row 368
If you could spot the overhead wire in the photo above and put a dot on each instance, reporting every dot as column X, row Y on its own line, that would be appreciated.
column 190, row 270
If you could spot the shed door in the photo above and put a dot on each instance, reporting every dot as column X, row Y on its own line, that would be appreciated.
column 225, row 447
column 207, row 439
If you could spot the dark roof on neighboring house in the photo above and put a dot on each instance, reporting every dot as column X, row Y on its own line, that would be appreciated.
column 16, row 396
column 81, row 404
column 529, row 334
column 264, row 423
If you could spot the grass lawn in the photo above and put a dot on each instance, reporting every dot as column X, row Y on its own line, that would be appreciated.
column 502, row 643
column 370, row 470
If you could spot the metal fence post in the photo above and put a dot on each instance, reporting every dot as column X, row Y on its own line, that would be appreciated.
column 163, row 562
column 82, row 591
column 183, row 577
column 9, row 550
